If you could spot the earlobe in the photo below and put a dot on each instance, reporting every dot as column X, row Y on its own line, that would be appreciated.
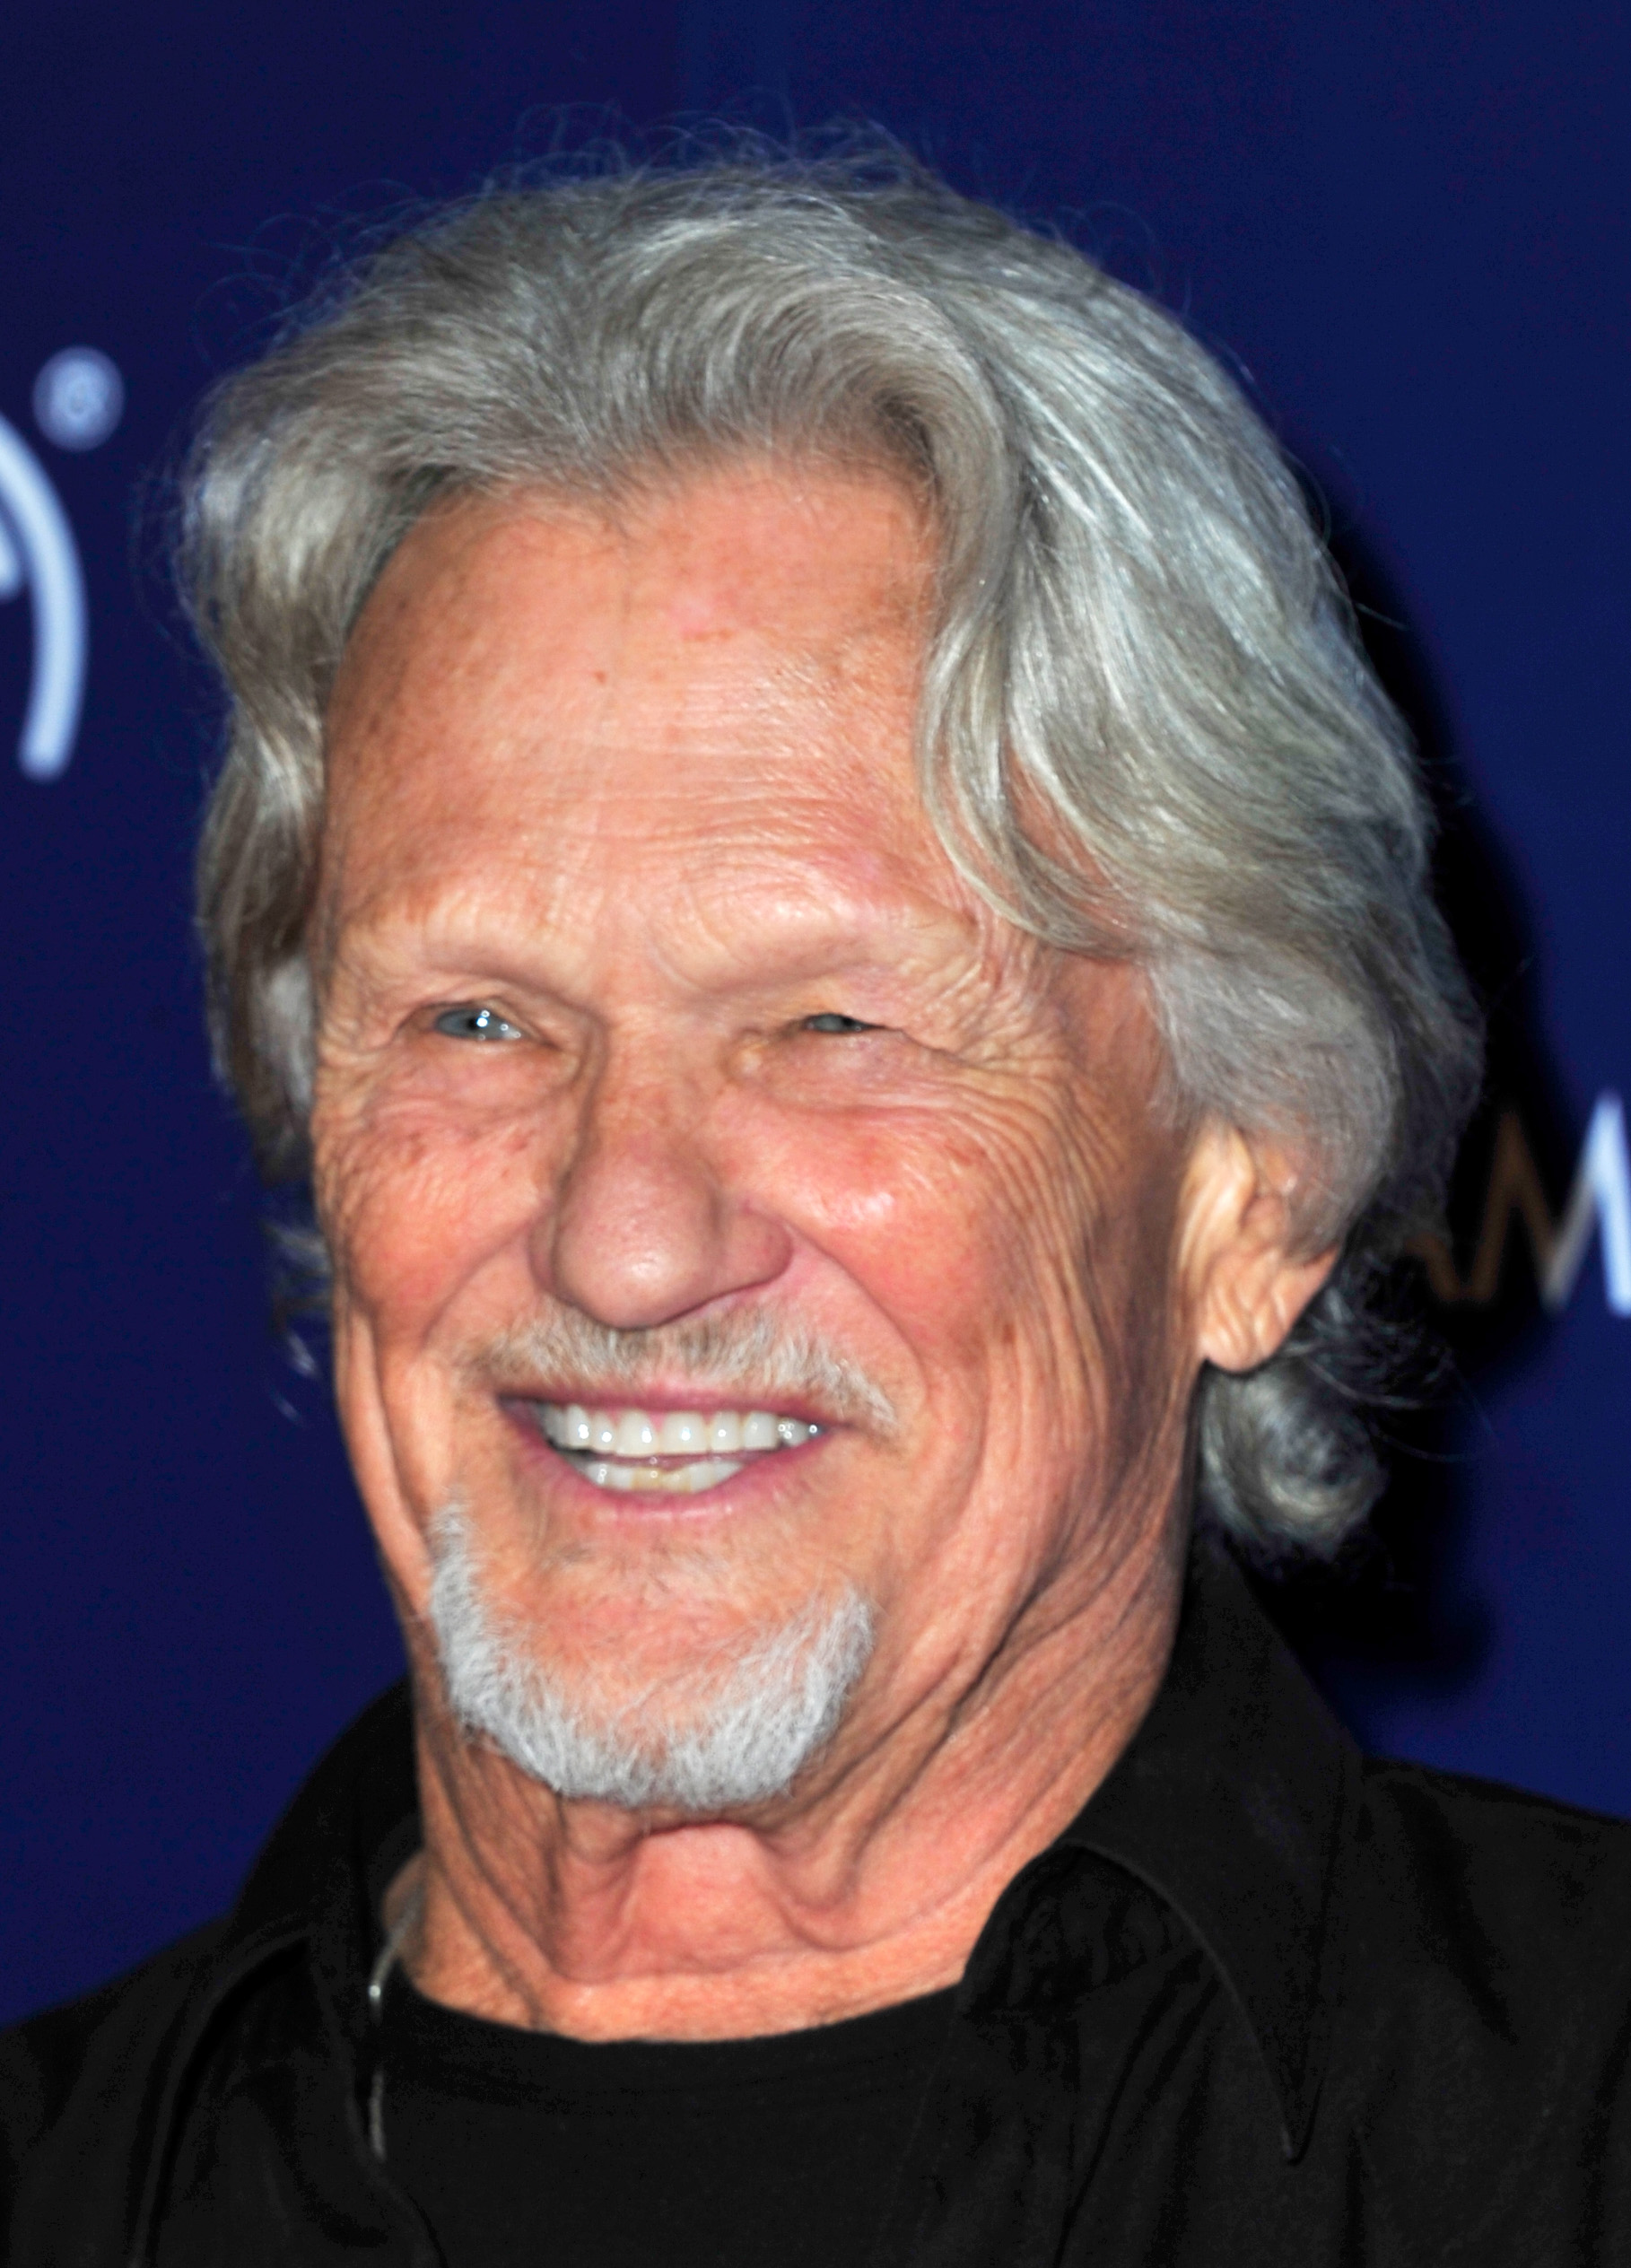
column 1251, row 1273
column 1253, row 1308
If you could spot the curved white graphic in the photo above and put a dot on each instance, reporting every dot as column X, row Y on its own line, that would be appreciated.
column 36, row 547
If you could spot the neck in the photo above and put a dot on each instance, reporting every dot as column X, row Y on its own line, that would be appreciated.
column 867, row 1885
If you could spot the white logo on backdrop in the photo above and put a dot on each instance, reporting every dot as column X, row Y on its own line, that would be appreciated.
column 78, row 399
column 1601, row 1201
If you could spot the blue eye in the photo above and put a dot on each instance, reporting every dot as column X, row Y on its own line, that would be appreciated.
column 840, row 1025
column 474, row 1023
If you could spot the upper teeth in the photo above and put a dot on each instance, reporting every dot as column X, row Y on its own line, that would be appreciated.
column 669, row 1432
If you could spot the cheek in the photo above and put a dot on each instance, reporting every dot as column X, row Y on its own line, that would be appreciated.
column 923, row 1212
column 415, row 1202
column 1021, row 1244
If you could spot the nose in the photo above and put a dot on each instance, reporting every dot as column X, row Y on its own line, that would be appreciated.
column 644, row 1227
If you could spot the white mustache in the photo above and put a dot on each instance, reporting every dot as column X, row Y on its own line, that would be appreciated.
column 754, row 1355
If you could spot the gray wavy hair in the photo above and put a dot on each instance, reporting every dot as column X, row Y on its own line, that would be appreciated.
column 1149, row 728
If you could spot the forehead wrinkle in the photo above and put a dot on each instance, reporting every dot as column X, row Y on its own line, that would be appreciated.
column 565, row 775
column 563, row 769
column 693, row 867
column 811, row 928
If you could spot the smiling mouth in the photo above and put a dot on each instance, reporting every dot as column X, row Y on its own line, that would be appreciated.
column 675, row 1452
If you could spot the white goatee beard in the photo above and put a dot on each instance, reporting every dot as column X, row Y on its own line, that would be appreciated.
column 714, row 1742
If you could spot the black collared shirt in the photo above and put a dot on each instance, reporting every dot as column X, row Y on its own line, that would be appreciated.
column 1262, row 2002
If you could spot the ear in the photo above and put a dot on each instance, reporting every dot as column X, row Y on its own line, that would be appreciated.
column 1248, row 1274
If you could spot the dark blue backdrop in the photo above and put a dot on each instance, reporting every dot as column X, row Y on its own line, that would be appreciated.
column 1406, row 224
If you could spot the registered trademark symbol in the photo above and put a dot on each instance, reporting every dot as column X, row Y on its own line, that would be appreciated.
column 79, row 397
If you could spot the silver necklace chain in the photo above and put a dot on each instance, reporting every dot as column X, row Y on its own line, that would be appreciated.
column 378, row 1976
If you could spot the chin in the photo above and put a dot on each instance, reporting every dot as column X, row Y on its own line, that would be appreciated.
column 719, row 1725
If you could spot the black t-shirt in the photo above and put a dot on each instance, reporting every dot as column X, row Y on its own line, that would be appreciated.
column 779, row 2153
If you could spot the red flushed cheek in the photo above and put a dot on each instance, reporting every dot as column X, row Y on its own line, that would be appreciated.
column 916, row 1233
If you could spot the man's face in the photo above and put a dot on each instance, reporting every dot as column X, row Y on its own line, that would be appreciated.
column 660, row 1041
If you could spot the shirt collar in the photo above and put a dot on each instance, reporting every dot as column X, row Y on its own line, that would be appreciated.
column 1231, row 1802
column 329, row 1861
column 316, row 1882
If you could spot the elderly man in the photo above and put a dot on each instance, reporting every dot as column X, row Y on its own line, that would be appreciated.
column 810, row 864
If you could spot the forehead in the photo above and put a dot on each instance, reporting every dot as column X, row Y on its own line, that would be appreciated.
column 729, row 669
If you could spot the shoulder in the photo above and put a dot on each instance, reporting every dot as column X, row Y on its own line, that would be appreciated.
column 82, row 2092
column 1483, row 2030
column 45, row 2061
column 105, row 2045
column 95, row 2095
column 1468, row 1860
column 1481, row 1895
